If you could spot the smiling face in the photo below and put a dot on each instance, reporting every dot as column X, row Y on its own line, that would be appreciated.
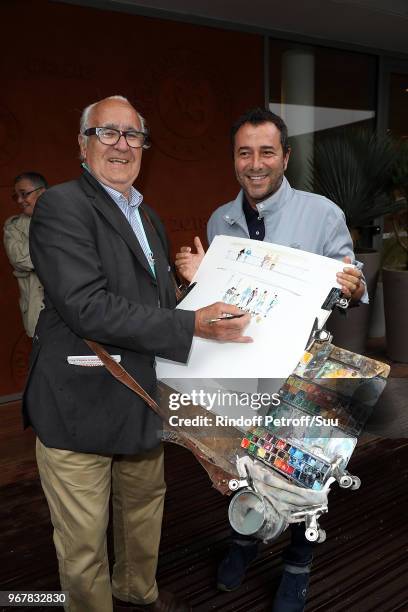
column 259, row 160
column 27, row 202
column 118, row 165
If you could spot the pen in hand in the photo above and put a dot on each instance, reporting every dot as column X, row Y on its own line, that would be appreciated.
column 208, row 323
column 225, row 316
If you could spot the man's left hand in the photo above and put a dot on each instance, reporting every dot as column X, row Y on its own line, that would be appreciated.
column 350, row 280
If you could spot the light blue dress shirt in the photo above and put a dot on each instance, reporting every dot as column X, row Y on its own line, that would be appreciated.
column 130, row 208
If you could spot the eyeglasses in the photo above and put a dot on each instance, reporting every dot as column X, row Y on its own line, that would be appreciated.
column 111, row 136
column 24, row 194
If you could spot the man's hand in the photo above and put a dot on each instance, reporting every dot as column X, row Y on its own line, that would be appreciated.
column 350, row 280
column 207, row 324
column 187, row 263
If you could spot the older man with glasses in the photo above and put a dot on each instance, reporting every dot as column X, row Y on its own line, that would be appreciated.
column 28, row 187
column 101, row 254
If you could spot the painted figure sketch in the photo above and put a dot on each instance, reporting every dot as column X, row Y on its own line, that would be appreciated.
column 283, row 290
column 250, row 296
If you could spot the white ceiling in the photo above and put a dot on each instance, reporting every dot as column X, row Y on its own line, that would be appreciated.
column 378, row 24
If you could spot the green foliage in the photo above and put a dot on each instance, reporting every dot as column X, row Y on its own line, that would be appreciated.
column 393, row 254
column 354, row 169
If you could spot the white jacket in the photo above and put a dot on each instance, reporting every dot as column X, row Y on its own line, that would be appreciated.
column 16, row 230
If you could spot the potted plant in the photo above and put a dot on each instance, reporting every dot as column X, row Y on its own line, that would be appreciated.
column 353, row 168
column 395, row 270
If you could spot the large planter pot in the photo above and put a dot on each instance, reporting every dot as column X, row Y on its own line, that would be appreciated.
column 396, row 311
column 376, row 328
column 350, row 331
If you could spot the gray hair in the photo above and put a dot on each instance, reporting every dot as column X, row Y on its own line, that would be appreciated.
column 84, row 121
column 36, row 179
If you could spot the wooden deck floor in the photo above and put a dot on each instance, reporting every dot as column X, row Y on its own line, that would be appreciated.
column 362, row 566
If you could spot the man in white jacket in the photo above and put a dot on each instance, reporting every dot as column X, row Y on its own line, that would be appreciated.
column 28, row 187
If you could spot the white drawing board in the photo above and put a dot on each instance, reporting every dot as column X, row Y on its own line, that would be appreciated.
column 282, row 288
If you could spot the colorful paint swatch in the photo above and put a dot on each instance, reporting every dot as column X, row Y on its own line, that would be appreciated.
column 289, row 460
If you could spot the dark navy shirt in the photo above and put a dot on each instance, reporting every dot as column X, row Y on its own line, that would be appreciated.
column 255, row 223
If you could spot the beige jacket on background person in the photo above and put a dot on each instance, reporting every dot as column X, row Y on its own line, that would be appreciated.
column 16, row 230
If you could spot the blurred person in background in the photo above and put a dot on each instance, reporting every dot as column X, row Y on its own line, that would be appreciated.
column 28, row 186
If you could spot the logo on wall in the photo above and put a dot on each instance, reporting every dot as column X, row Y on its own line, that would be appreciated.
column 9, row 136
column 190, row 117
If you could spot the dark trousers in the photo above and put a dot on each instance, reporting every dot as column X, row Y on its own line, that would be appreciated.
column 299, row 552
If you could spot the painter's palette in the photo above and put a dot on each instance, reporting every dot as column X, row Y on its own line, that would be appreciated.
column 324, row 438
column 335, row 384
column 303, row 455
column 304, row 468
column 324, row 405
column 326, row 401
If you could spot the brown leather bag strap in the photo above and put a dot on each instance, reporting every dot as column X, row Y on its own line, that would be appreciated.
column 122, row 375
